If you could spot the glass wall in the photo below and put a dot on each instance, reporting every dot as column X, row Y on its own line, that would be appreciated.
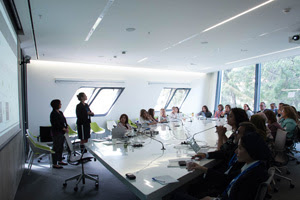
column 280, row 82
column 237, row 87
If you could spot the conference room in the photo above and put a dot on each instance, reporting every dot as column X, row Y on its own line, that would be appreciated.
column 132, row 55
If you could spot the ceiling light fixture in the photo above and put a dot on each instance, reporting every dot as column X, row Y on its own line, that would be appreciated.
column 99, row 19
column 267, row 54
column 142, row 60
column 130, row 29
column 219, row 24
column 239, row 15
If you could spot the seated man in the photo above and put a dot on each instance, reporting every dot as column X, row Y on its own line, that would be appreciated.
column 274, row 108
column 262, row 106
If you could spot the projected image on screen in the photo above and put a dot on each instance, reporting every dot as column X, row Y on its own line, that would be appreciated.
column 9, row 92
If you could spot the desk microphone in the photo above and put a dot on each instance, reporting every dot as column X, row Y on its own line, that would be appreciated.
column 163, row 147
column 203, row 131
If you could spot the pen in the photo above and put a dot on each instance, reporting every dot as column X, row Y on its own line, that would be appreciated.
column 159, row 181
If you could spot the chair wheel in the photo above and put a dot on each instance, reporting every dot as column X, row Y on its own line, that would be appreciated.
column 298, row 162
column 276, row 190
column 39, row 161
column 65, row 184
column 288, row 172
column 95, row 159
column 292, row 185
column 96, row 185
column 75, row 189
column 278, row 180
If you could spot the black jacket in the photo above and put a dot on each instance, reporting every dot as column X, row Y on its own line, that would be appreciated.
column 58, row 122
column 82, row 114
column 246, row 186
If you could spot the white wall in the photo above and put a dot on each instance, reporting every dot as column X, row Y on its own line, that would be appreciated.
column 137, row 94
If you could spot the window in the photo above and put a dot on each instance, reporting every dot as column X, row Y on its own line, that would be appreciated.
column 280, row 82
column 170, row 97
column 100, row 100
column 237, row 86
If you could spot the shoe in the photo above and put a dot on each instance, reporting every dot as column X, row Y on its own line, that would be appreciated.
column 57, row 166
column 62, row 163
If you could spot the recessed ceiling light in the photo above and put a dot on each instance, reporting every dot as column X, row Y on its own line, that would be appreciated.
column 99, row 19
column 267, row 54
column 130, row 29
column 205, row 42
column 244, row 50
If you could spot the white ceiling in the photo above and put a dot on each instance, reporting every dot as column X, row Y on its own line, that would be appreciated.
column 61, row 27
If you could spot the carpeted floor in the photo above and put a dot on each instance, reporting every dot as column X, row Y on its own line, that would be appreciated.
column 47, row 184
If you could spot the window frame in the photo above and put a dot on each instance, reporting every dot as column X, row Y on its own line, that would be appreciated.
column 91, row 100
column 170, row 99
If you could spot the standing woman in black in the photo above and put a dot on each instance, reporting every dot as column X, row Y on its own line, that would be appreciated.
column 83, row 114
column 58, row 130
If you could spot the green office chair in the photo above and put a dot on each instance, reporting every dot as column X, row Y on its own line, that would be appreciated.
column 37, row 149
column 96, row 129
column 132, row 124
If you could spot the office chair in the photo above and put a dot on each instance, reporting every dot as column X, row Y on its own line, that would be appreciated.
column 262, row 191
column 80, row 177
column 37, row 149
column 73, row 155
column 281, row 159
column 110, row 124
column 292, row 148
column 96, row 129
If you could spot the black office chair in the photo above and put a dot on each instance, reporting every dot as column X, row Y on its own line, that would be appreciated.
column 79, row 159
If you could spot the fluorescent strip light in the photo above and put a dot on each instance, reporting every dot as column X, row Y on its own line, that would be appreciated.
column 267, row 54
column 239, row 15
column 142, row 60
column 67, row 80
column 99, row 19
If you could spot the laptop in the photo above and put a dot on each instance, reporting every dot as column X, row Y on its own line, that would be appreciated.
column 118, row 132
column 194, row 145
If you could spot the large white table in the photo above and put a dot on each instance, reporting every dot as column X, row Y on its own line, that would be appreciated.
column 149, row 161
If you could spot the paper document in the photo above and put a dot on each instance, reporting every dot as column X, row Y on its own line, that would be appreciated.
column 164, row 179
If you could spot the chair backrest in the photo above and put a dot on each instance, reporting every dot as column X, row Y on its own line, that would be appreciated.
column 280, row 140
column 132, row 124
column 263, row 187
column 69, row 143
column 110, row 124
column 95, row 128
column 297, row 134
column 37, row 147
column 71, row 131
column 30, row 134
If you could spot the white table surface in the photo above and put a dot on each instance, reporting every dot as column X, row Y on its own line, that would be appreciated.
column 149, row 161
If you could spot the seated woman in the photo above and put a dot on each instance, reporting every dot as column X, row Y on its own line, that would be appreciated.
column 206, row 184
column 273, row 125
column 145, row 119
column 288, row 121
column 175, row 115
column 151, row 115
column 227, row 146
column 235, row 117
column 124, row 122
column 260, row 124
column 248, row 110
column 205, row 112
column 219, row 112
column 253, row 151
column 226, row 112
column 163, row 116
